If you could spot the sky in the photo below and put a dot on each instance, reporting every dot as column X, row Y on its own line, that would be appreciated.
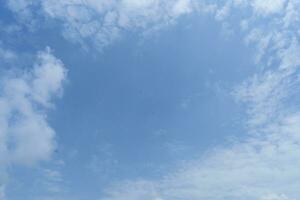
column 149, row 100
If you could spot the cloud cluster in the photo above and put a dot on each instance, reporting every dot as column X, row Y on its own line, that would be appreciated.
column 25, row 135
column 101, row 22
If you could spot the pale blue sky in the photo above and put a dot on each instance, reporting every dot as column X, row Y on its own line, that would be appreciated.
column 152, row 100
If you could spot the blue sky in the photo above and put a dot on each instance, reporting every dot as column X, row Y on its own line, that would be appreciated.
column 149, row 99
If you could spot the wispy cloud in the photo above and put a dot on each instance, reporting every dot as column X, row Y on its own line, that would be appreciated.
column 99, row 23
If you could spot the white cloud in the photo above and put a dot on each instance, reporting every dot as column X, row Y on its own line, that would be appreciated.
column 292, row 14
column 101, row 22
column 268, row 6
column 49, row 75
column 26, row 137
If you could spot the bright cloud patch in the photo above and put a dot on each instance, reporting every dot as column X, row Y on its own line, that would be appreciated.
column 268, row 6
column 26, row 137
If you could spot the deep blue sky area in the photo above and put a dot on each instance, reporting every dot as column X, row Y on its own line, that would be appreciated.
column 150, row 111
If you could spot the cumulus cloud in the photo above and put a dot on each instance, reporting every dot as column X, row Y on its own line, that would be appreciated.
column 25, row 135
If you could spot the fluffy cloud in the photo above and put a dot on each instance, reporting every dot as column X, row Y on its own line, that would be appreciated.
column 25, row 135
